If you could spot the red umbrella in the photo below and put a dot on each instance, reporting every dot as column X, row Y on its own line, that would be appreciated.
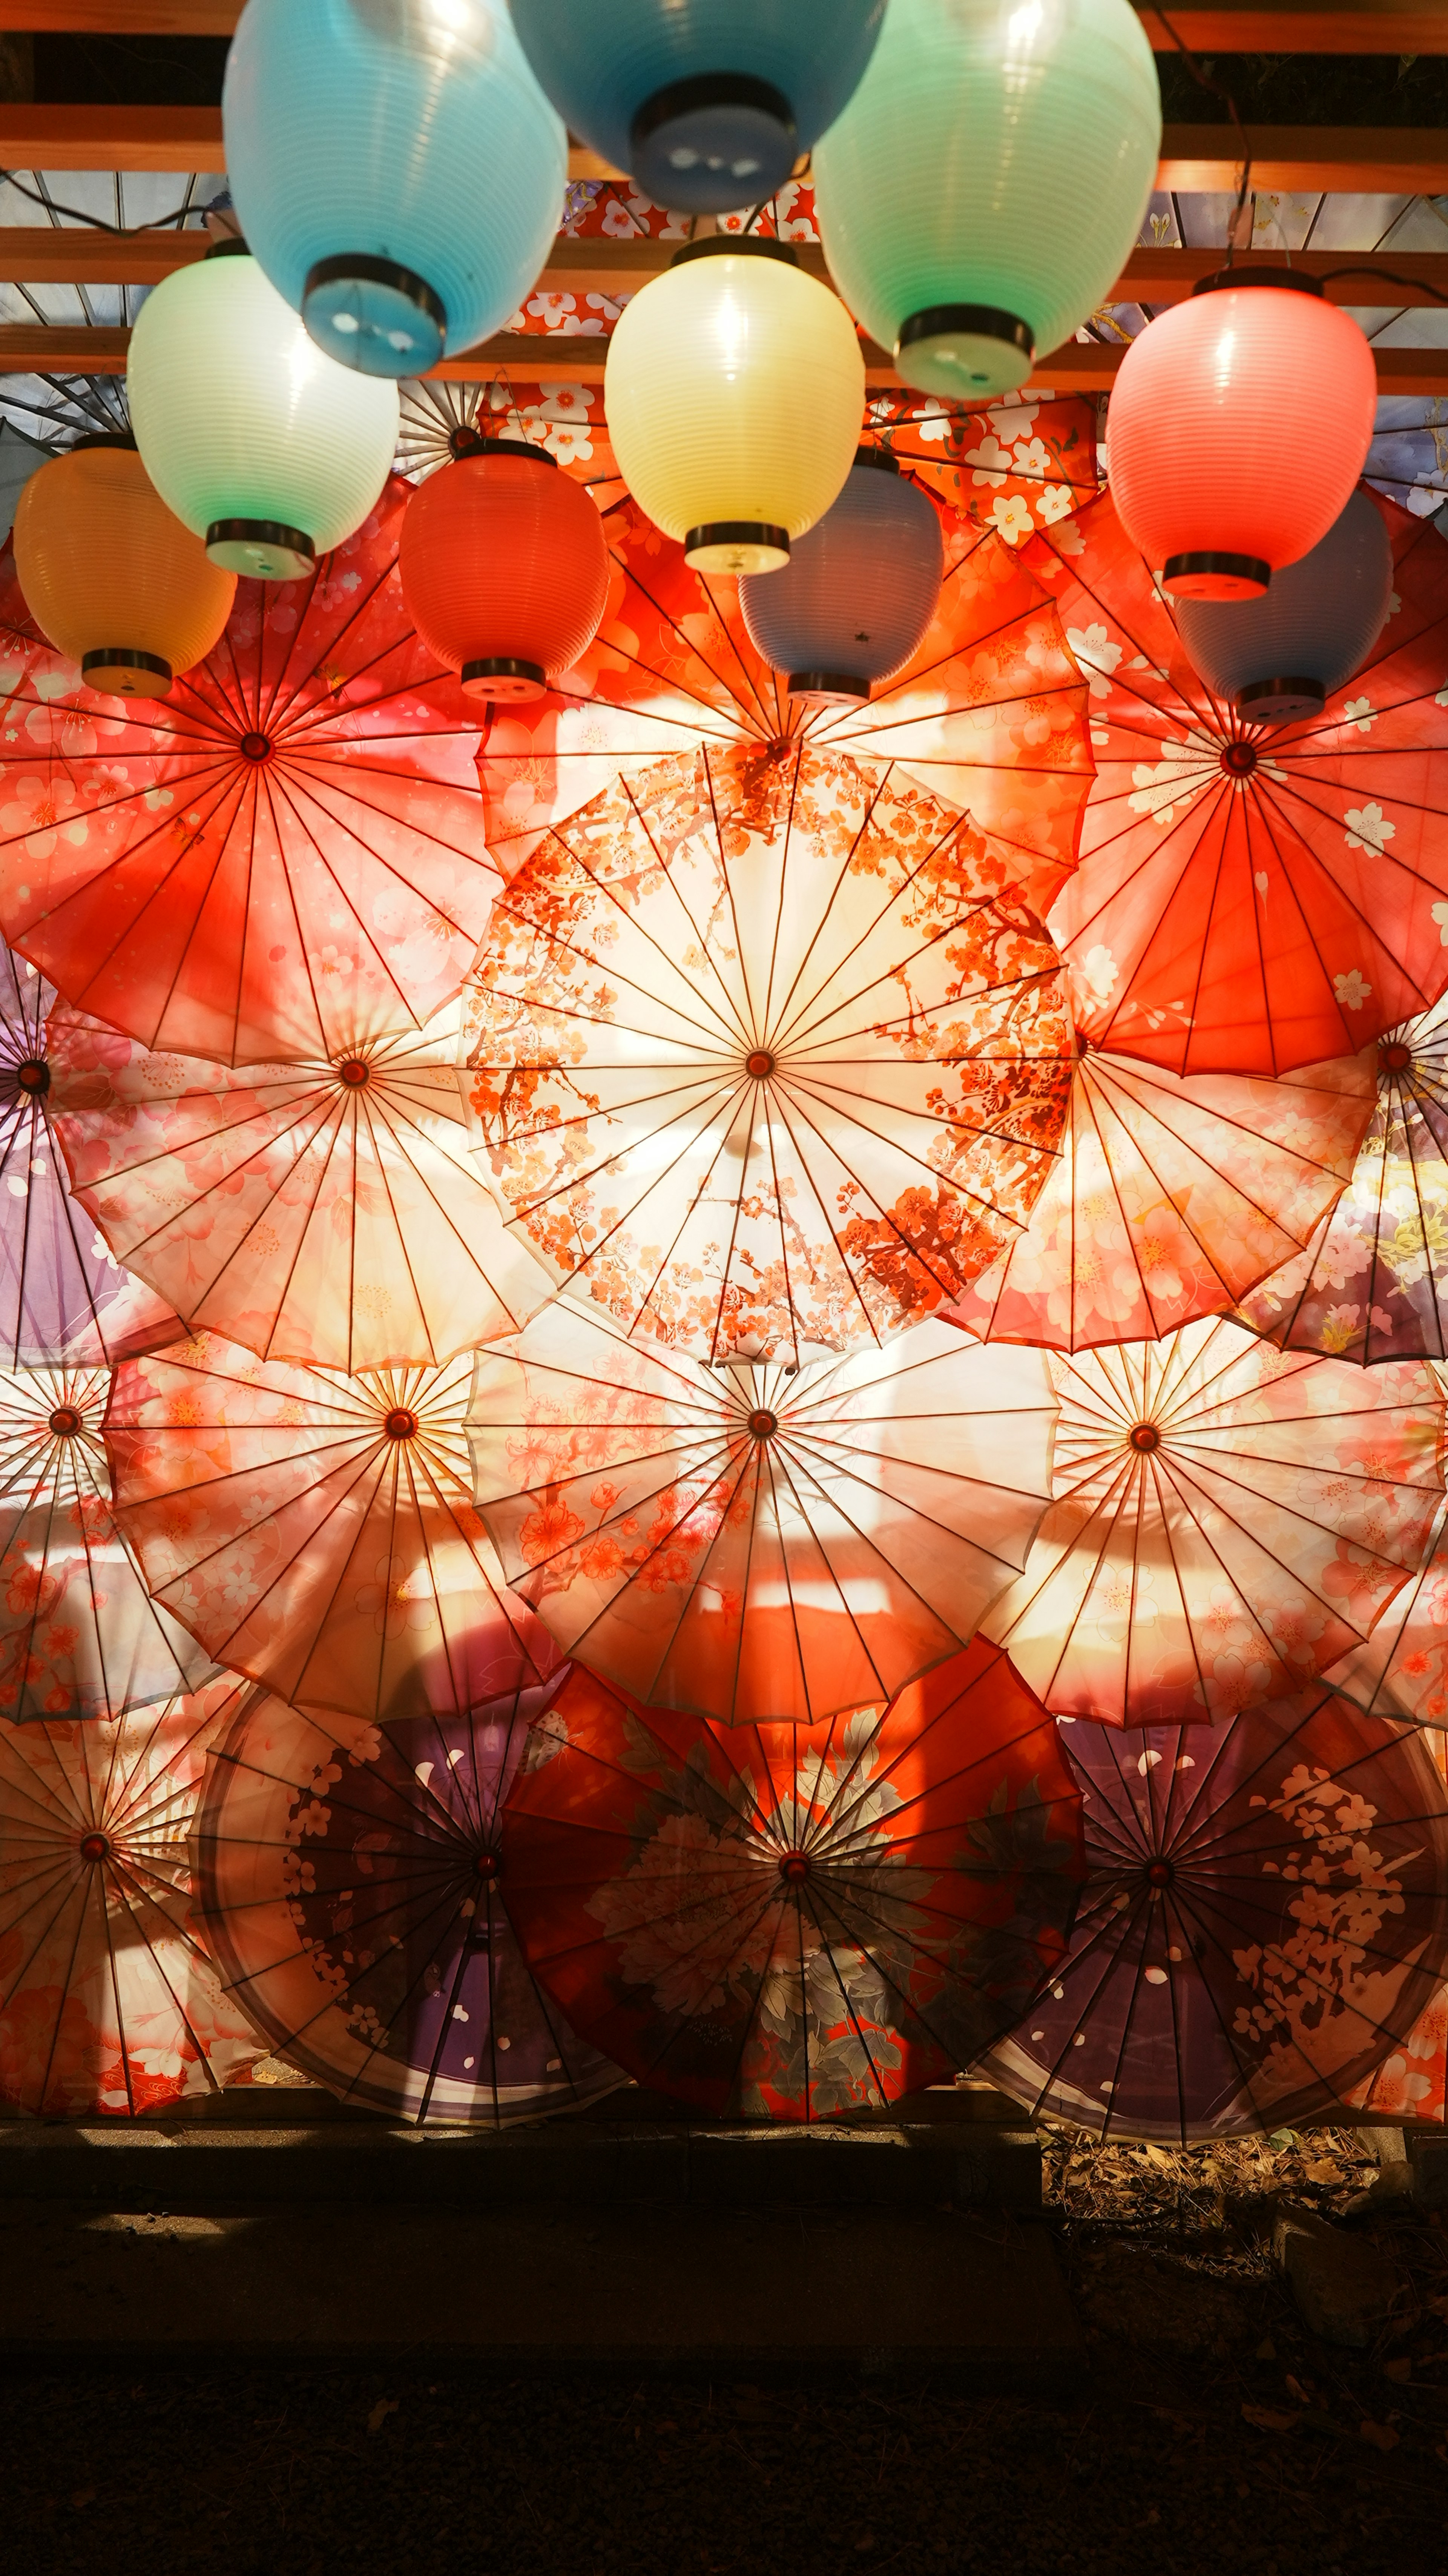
column 1401, row 1669
column 785, row 1924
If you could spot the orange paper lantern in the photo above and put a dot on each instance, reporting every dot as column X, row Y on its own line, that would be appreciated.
column 504, row 568
column 111, row 577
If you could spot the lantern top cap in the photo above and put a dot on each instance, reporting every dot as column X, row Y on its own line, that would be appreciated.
column 735, row 246
column 879, row 459
column 234, row 248
column 505, row 447
column 1291, row 278
column 124, row 439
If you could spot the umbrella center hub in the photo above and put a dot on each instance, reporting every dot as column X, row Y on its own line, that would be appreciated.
column 401, row 1423
column 1159, row 1874
column 1395, row 1057
column 65, row 1422
column 794, row 1868
column 488, row 1864
column 33, row 1076
column 354, row 1073
column 760, row 1064
column 763, row 1424
column 1239, row 759
column 1144, row 1437
column 95, row 1847
column 256, row 747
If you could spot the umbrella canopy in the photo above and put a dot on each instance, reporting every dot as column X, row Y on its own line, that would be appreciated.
column 286, row 856
column 1401, row 1669
column 787, row 1925
column 1227, row 1523
column 748, row 1542
column 1251, row 898
column 1265, row 1916
column 323, row 1211
column 385, row 1965
column 988, row 715
column 762, row 1056
column 317, row 1532
column 80, row 1636
column 1170, row 1195
column 107, row 2001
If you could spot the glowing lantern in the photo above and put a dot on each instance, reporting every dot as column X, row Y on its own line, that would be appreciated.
column 110, row 577
column 1281, row 657
column 859, row 590
column 504, row 568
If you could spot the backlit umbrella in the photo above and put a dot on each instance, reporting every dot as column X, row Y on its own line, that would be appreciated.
column 779, row 1924
column 286, row 856
column 762, row 1056
column 350, row 1887
column 1264, row 1918
column 1401, row 1669
column 1227, row 1523
column 749, row 1542
column 1252, row 898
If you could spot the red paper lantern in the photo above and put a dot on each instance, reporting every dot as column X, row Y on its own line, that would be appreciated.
column 1210, row 400
column 504, row 568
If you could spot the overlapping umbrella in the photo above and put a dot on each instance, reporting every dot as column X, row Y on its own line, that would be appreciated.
column 1401, row 1669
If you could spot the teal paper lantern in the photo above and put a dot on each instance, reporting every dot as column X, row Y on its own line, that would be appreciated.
column 978, row 195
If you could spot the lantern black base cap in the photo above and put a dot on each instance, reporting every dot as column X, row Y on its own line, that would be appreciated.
column 467, row 443
column 1216, row 576
column 1294, row 279
column 965, row 349
column 261, row 549
column 502, row 676
column 720, row 140
column 373, row 315
column 1279, row 701
column 123, row 672
column 832, row 688
column 737, row 545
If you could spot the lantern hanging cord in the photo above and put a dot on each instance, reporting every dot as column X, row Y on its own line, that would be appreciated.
column 1216, row 89
column 96, row 223
column 1371, row 268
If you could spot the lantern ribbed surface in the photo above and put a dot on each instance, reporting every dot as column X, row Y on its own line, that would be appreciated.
column 734, row 393
column 859, row 590
column 505, row 570
column 1281, row 656
column 978, row 195
column 110, row 575
column 240, row 418
column 406, row 150
column 1211, row 396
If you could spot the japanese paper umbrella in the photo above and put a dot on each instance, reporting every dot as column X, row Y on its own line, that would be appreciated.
column 286, row 856
column 322, row 1211
column 1401, row 1669
column 351, row 1891
column 747, row 1542
column 787, row 1925
column 80, row 1636
column 1252, row 898
column 317, row 1531
column 761, row 1055
column 1227, row 1522
column 107, row 2000
column 1265, row 1917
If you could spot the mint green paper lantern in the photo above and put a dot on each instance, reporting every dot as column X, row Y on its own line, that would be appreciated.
column 980, row 192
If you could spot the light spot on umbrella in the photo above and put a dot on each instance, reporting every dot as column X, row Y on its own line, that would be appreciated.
column 458, row 2013
column 1156, row 1976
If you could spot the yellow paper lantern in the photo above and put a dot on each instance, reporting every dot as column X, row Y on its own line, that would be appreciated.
column 110, row 577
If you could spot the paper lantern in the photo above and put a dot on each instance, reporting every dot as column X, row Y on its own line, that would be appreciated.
column 256, row 439
column 504, row 568
column 708, row 102
column 1210, row 398
column 734, row 390
column 859, row 589
column 978, row 195
column 111, row 577
column 1280, row 658
column 397, row 171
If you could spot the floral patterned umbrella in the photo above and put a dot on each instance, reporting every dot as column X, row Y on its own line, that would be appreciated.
column 762, row 1056
column 108, row 2003
column 1252, row 898
column 786, row 1925
column 284, row 857
column 350, row 1888
column 317, row 1531
column 1264, row 1918
column 325, row 1211
column 1227, row 1523
column 748, row 1542
column 1401, row 1669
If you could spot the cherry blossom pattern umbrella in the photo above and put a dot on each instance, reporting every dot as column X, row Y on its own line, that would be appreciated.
column 1171, row 1194
column 786, row 1924
column 108, row 2003
column 1264, row 1918
column 1252, row 898
column 285, row 856
column 317, row 1531
column 1227, row 1523
column 1401, row 1669
column 324, row 1211
column 351, row 1891
column 80, row 1636
column 751, row 1543
column 761, row 1057
column 989, row 715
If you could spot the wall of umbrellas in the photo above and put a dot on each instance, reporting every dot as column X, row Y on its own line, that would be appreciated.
column 724, row 1263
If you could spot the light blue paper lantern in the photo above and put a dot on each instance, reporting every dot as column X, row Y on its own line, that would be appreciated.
column 708, row 102
column 396, row 169
column 1279, row 658
column 859, row 591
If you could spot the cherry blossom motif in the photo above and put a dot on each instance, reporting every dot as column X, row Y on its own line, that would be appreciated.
column 108, row 2003
column 1227, row 1524
column 1265, row 1917
column 784, row 1924
column 1251, row 898
column 749, row 1542
column 317, row 1531
column 324, row 1211
column 1170, row 1196
column 283, row 856
column 762, row 1057
column 351, row 1889
column 1401, row 1669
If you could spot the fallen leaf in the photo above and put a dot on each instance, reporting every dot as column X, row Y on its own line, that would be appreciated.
column 1381, row 2436
column 1266, row 2349
column 1324, row 2172
column 1398, row 2369
column 384, row 2407
column 1269, row 2419
column 82, row 2497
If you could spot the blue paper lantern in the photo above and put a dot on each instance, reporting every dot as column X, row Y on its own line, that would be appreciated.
column 1280, row 657
column 396, row 169
column 858, row 592
column 708, row 102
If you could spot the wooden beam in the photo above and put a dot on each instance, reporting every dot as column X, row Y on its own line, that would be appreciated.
column 74, row 255
column 184, row 139
column 1169, row 276
column 121, row 17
